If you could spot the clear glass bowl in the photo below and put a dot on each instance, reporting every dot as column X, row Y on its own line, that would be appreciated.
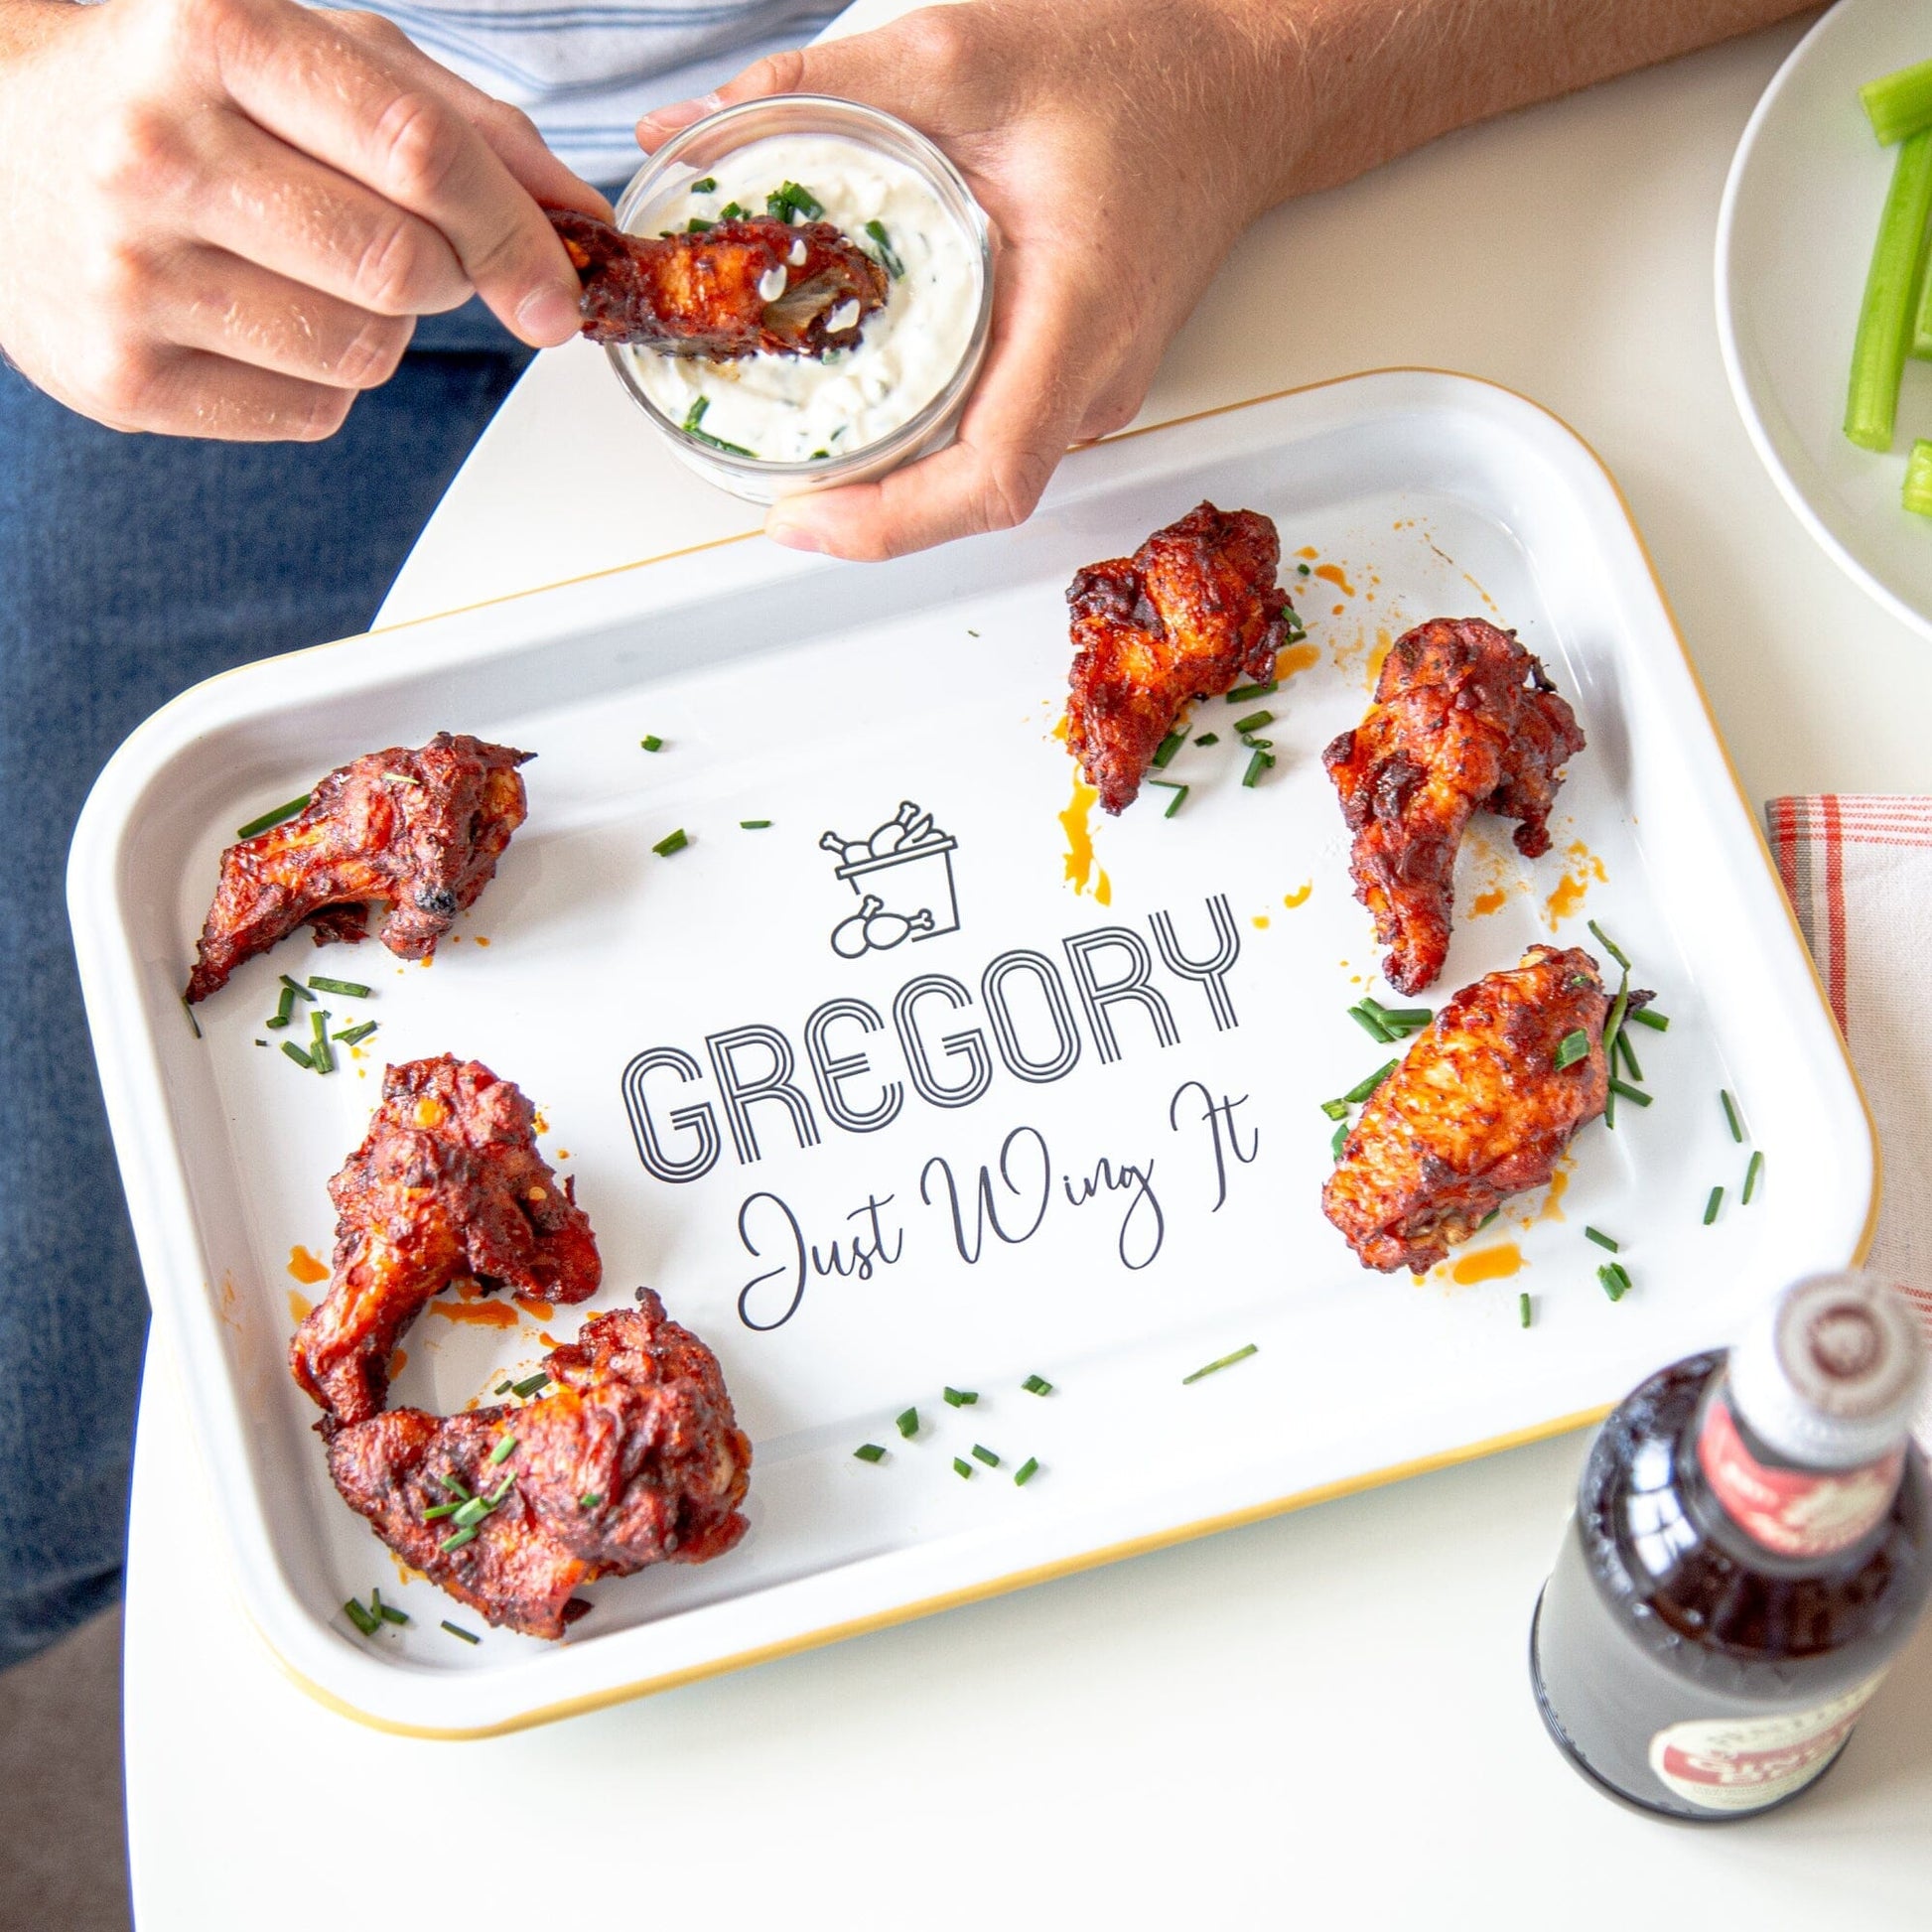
column 697, row 152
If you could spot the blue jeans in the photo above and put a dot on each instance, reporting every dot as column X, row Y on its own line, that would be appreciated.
column 132, row 567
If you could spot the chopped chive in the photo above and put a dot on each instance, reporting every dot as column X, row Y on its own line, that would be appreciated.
column 709, row 186
column 755, row 825
column 695, row 414
column 961, row 1398
column 1257, row 744
column 1412, row 1019
column 1572, row 1048
column 790, row 198
column 1613, row 1024
column 1297, row 630
column 1753, row 1170
column 1620, row 1271
column 462, row 1537
column 1730, row 1116
column 437, row 1511
column 1208, row 737
column 356, row 1035
column 671, row 842
column 907, row 1423
column 278, row 816
column 1169, row 746
column 869, row 1453
column 1630, row 1093
column 1026, row 1473
column 961, row 1466
column 284, row 1012
column 1258, row 763
column 651, row 742
column 504, row 1388
column 1243, row 692
column 1254, row 720
column 1627, row 1053
column 322, row 1056
column 390, row 1615
column 359, row 1616
column 719, row 443
column 1302, row 570
column 886, row 252
column 1338, row 1139
column 455, row 1486
column 1711, row 1206
column 530, row 1384
column 731, row 211
column 296, row 987
column 697, row 225
column 1179, row 795
column 1363, row 1088
column 466, row 1516
column 986, row 1456
column 456, row 1630
column 1241, row 1354
column 1609, row 1106
column 349, row 989
column 504, row 1449
column 1370, row 1024
column 589, row 1499
column 1612, row 1286
column 259, row 1042
column 1649, row 1017
column 1523, row 1310
column 298, row 1056
column 1602, row 1241
column 1610, row 945
column 1487, row 1219
column 1038, row 1385
column 1336, row 1109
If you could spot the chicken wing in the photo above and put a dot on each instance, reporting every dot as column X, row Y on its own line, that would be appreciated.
column 1193, row 613
column 1464, row 720
column 419, row 831
column 635, row 1458
column 448, row 1181
column 1478, row 1110
column 740, row 288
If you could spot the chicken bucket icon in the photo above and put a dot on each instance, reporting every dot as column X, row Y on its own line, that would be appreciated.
column 902, row 878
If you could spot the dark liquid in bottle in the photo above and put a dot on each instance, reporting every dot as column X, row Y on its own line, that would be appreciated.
column 1662, row 1612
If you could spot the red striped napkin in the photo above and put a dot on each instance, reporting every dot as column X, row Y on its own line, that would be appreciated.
column 1859, row 873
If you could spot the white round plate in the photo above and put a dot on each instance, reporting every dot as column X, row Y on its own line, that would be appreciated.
column 1794, row 240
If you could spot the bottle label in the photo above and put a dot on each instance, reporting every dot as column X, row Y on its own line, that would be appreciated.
column 1746, row 1763
column 1793, row 1512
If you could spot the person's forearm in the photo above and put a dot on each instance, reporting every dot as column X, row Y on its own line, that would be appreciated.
column 1339, row 86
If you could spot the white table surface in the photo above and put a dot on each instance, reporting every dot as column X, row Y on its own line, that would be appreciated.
column 1319, row 1721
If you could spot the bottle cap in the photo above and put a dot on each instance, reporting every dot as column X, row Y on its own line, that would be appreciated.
column 1829, row 1373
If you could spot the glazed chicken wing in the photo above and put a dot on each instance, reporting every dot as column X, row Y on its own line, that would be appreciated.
column 635, row 1459
column 448, row 1181
column 1194, row 612
column 740, row 287
column 418, row 831
column 1464, row 720
column 1478, row 1110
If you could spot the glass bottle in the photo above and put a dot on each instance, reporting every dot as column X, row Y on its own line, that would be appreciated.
column 1751, row 1546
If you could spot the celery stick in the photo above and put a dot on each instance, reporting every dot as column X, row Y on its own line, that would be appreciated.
column 1899, row 103
column 1918, row 479
column 1885, row 320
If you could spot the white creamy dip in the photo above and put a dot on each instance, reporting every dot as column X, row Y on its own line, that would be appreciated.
column 792, row 408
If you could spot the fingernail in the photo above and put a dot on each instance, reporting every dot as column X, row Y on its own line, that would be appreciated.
column 548, row 315
column 793, row 536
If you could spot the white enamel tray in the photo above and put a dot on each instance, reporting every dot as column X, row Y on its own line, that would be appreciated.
column 819, row 696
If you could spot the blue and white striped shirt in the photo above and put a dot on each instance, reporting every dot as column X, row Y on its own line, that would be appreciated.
column 585, row 72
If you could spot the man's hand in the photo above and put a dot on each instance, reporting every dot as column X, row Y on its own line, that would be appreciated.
column 220, row 218
column 1121, row 146
column 1112, row 142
